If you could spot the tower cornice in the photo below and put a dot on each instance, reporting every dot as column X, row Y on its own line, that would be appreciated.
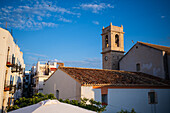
column 112, row 51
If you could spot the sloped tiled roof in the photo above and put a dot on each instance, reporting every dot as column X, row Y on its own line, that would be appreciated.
column 159, row 47
column 113, row 77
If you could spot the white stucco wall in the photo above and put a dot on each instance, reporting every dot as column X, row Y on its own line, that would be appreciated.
column 97, row 95
column 151, row 61
column 87, row 92
column 67, row 86
column 3, row 57
column 6, row 40
column 127, row 99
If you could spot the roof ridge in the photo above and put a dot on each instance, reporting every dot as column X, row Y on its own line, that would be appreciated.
column 151, row 44
column 94, row 69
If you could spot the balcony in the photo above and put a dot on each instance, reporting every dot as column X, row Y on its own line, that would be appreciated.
column 15, row 68
column 21, row 70
column 19, row 86
column 12, row 89
column 10, row 61
column 7, row 86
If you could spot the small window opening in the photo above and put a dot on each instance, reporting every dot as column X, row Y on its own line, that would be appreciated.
column 137, row 67
column 117, row 40
column 106, row 41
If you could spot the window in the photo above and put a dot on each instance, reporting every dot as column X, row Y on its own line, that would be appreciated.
column 13, row 59
column 117, row 40
column 106, row 41
column 57, row 94
column 137, row 67
column 104, row 99
column 152, row 97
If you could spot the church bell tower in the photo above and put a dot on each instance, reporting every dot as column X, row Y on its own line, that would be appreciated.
column 112, row 46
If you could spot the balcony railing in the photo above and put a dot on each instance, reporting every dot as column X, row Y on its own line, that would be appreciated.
column 8, row 86
column 21, row 70
column 12, row 89
column 10, row 61
column 19, row 86
column 15, row 68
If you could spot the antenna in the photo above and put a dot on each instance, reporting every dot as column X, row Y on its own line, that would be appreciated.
column 6, row 25
column 132, row 41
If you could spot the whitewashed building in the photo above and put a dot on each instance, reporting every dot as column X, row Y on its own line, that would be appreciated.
column 11, row 70
column 117, row 89
column 41, row 72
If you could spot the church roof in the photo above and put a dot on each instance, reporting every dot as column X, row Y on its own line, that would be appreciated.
column 159, row 47
column 86, row 76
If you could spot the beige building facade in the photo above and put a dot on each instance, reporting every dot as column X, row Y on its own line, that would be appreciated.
column 12, row 69
column 42, row 71
column 112, row 46
column 147, row 58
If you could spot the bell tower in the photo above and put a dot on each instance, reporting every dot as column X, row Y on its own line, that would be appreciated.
column 112, row 46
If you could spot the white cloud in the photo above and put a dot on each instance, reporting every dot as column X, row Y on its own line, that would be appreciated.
column 64, row 19
column 48, row 15
column 39, row 18
column 49, row 24
column 95, row 22
column 33, row 14
column 35, row 54
column 162, row 16
column 96, row 7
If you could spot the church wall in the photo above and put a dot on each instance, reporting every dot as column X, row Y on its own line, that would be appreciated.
column 150, row 60
column 67, row 86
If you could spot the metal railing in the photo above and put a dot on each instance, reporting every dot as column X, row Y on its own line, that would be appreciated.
column 15, row 68
column 7, row 86
column 12, row 89
column 10, row 61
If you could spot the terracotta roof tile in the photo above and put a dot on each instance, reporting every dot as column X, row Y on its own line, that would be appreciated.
column 113, row 77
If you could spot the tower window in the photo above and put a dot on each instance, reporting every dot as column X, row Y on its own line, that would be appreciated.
column 137, row 67
column 117, row 40
column 106, row 41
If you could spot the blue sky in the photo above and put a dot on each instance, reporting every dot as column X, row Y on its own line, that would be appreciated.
column 69, row 30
